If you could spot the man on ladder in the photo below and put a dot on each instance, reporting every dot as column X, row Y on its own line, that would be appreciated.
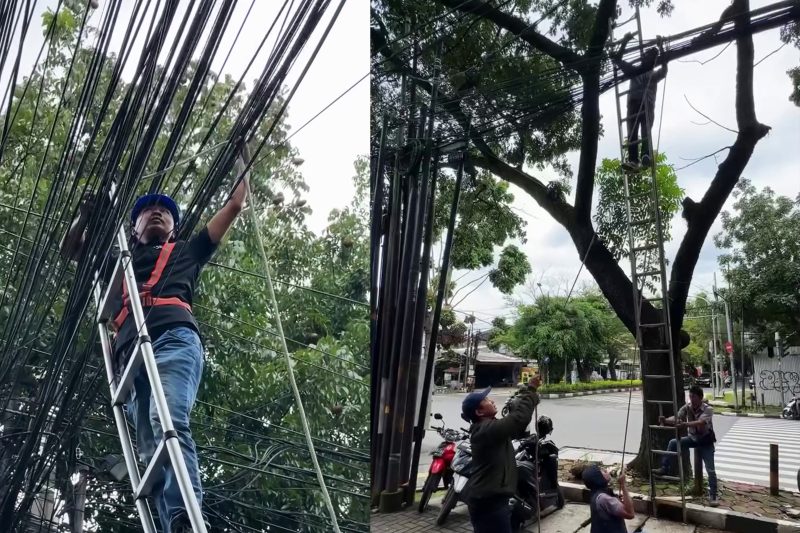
column 641, row 105
column 167, row 272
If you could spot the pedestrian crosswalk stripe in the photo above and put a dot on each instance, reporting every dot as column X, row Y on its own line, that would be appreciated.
column 783, row 460
column 763, row 446
column 742, row 454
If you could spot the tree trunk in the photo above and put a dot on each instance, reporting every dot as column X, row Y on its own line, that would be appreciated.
column 612, row 368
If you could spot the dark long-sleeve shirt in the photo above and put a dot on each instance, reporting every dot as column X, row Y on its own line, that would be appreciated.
column 494, row 469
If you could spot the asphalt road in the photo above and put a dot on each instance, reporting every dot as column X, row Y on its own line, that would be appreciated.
column 596, row 422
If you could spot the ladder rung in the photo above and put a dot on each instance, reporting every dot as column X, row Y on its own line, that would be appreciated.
column 642, row 222
column 664, row 452
column 660, row 402
column 153, row 471
column 658, row 376
column 104, row 312
column 623, row 93
column 663, row 351
column 668, row 428
column 653, row 325
column 644, row 248
column 647, row 273
column 131, row 370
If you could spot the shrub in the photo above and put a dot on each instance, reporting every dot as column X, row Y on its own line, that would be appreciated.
column 595, row 385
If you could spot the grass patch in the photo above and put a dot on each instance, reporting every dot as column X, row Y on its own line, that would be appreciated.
column 594, row 385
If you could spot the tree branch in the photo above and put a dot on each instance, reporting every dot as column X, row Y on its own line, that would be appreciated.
column 590, row 112
column 518, row 27
column 560, row 210
column 728, row 172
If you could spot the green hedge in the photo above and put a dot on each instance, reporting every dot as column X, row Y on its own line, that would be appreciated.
column 594, row 385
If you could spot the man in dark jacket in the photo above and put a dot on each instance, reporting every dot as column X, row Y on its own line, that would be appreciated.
column 494, row 469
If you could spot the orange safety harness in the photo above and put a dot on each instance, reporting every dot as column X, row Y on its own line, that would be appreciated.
column 148, row 300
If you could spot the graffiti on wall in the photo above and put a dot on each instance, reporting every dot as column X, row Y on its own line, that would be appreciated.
column 770, row 380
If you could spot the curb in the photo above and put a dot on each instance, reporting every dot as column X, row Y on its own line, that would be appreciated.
column 701, row 515
column 553, row 396
column 751, row 415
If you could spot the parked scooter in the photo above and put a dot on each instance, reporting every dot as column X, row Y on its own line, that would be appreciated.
column 544, row 491
column 440, row 469
column 461, row 466
column 531, row 492
column 792, row 410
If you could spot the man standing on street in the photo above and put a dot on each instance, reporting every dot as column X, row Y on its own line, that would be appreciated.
column 608, row 513
column 167, row 272
column 697, row 417
column 494, row 469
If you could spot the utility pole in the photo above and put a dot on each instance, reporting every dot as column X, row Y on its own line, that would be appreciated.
column 779, row 348
column 742, row 309
column 730, row 340
column 717, row 384
column 730, row 352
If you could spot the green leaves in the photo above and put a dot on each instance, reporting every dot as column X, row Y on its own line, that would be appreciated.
column 583, row 329
column 611, row 213
column 512, row 269
column 762, row 261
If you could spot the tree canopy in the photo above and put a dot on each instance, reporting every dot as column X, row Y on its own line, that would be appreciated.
column 761, row 261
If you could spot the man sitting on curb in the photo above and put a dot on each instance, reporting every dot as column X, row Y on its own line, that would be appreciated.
column 697, row 417
column 608, row 513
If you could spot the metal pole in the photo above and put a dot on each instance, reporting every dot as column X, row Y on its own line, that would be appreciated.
column 422, row 306
column 717, row 384
column 742, row 348
column 779, row 348
column 729, row 325
column 437, row 308
column 80, row 500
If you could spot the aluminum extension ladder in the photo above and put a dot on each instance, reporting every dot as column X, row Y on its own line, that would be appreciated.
column 168, row 449
column 645, row 243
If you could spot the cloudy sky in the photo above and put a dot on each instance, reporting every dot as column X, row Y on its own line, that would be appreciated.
column 332, row 142
column 710, row 88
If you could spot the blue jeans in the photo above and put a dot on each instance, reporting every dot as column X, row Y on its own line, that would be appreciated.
column 707, row 455
column 179, row 358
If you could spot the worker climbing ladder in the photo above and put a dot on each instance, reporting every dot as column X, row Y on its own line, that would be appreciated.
column 168, row 449
column 649, row 280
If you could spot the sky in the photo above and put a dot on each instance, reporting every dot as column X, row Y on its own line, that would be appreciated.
column 331, row 143
column 710, row 88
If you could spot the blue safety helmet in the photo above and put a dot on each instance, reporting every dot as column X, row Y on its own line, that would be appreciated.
column 149, row 200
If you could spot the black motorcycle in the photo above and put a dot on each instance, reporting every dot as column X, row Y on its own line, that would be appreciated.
column 537, row 476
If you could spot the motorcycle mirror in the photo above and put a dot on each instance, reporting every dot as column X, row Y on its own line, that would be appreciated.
column 437, row 416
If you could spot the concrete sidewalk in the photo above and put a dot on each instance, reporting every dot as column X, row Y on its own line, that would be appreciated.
column 573, row 518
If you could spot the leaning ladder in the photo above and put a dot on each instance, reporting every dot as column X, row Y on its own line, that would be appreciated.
column 168, row 449
column 646, row 239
